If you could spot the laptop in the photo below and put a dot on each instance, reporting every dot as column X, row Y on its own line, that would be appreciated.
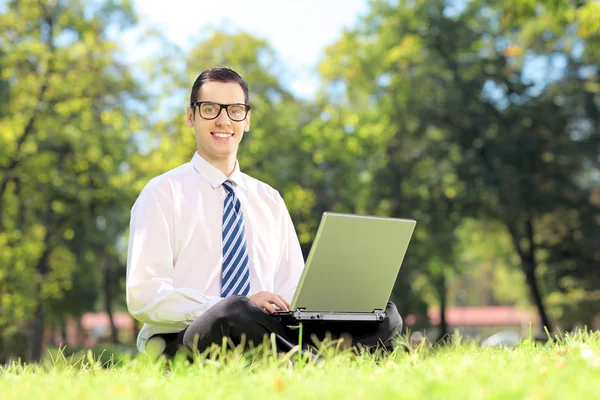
column 351, row 269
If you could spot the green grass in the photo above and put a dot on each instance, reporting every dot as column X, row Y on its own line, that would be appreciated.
column 566, row 369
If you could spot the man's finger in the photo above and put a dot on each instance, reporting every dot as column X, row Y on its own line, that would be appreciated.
column 277, row 301
column 282, row 303
column 268, row 307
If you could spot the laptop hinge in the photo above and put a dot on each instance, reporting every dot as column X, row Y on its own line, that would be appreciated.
column 302, row 315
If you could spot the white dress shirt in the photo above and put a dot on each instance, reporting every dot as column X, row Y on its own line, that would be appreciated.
column 175, row 258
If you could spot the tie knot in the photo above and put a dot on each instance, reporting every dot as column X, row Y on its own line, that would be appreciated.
column 228, row 185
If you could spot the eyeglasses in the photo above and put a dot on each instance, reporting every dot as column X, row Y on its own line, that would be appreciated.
column 209, row 110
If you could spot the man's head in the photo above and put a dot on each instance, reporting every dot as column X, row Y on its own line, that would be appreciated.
column 220, row 114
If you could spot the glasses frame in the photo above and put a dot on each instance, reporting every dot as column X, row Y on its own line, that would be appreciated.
column 221, row 107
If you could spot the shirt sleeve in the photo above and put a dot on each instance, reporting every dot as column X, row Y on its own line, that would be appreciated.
column 151, row 297
column 291, row 261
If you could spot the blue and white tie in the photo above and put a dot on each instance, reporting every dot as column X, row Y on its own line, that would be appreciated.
column 235, row 278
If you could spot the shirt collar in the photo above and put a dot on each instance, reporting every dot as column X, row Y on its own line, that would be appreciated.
column 213, row 175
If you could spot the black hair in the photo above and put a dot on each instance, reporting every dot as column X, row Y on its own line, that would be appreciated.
column 218, row 74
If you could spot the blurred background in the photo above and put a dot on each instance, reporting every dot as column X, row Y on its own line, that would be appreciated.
column 478, row 118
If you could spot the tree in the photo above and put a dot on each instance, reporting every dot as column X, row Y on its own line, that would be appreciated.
column 408, row 149
column 65, row 139
column 452, row 86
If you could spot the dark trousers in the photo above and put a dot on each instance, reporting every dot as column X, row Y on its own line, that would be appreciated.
column 238, row 316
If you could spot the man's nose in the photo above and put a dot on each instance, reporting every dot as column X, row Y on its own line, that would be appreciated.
column 223, row 118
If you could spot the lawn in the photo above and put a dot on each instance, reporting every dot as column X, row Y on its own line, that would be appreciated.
column 569, row 368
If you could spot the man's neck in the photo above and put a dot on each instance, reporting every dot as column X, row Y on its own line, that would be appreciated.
column 225, row 164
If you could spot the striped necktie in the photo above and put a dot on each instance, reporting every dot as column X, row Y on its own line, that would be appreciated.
column 235, row 278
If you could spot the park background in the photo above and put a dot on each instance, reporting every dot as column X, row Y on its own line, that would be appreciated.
column 479, row 119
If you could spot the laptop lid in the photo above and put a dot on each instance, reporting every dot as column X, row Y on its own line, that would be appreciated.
column 353, row 263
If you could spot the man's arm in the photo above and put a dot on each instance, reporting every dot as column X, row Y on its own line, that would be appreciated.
column 291, row 261
column 151, row 297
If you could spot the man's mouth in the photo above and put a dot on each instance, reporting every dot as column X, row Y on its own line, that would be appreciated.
column 222, row 135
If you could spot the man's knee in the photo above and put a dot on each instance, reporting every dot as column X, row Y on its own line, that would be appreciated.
column 393, row 319
column 231, row 308
column 228, row 318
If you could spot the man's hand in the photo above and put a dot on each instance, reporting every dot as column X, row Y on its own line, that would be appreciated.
column 269, row 301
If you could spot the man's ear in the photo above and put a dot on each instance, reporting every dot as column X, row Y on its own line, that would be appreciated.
column 247, row 124
column 189, row 117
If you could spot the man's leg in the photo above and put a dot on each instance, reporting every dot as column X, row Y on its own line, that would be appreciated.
column 233, row 317
column 384, row 332
column 238, row 315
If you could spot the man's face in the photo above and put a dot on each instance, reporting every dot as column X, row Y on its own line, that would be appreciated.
column 218, row 138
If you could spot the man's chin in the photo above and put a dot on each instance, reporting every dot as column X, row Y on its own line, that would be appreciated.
column 218, row 154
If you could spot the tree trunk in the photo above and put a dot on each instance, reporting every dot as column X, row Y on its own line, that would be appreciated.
column 80, row 333
column 529, row 265
column 529, row 268
column 39, row 322
column 442, row 293
column 64, row 331
column 108, row 296
column 2, row 355
column 37, row 334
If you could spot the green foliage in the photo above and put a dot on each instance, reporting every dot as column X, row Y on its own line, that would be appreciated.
column 472, row 133
column 66, row 138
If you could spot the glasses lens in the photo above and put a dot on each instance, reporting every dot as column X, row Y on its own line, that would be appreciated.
column 237, row 112
column 209, row 110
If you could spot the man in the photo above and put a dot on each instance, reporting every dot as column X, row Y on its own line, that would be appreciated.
column 212, row 251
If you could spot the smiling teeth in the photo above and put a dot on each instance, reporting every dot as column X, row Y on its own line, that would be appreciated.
column 222, row 135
